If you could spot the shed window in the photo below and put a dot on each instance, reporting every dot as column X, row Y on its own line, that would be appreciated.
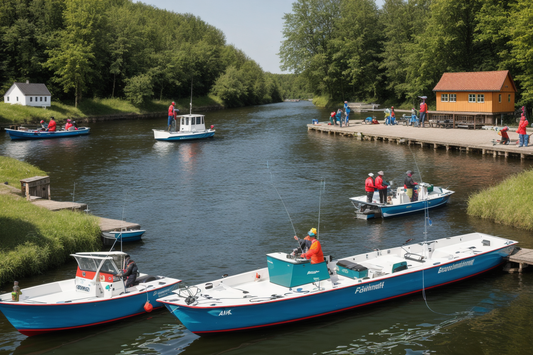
column 31, row 99
column 471, row 97
column 509, row 98
column 481, row 98
column 17, row 98
column 8, row 98
column 453, row 97
column 45, row 99
column 41, row 98
column 500, row 98
column 444, row 97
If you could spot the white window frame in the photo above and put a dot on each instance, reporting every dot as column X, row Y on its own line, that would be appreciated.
column 453, row 97
column 470, row 97
column 481, row 98
column 500, row 98
column 444, row 98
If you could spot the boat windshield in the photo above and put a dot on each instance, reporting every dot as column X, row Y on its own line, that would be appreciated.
column 90, row 264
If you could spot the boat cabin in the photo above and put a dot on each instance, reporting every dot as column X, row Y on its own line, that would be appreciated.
column 191, row 123
column 96, row 272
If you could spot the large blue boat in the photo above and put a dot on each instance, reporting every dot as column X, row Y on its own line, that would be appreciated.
column 291, row 289
column 95, row 296
column 20, row 134
column 426, row 196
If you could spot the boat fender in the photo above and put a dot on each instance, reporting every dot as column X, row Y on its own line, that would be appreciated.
column 148, row 307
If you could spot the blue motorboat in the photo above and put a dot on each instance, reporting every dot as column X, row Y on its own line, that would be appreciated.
column 426, row 196
column 20, row 134
column 95, row 296
column 291, row 289
column 132, row 235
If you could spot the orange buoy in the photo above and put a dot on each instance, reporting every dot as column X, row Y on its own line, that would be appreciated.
column 148, row 307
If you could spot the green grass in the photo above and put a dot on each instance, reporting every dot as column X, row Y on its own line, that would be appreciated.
column 509, row 203
column 32, row 238
column 18, row 114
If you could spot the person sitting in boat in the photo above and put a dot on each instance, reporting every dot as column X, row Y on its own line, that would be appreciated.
column 409, row 184
column 369, row 187
column 51, row 125
column 44, row 125
column 304, row 244
column 315, row 251
column 505, row 136
column 382, row 186
column 129, row 272
column 68, row 125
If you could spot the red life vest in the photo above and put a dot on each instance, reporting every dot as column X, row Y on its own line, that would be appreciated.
column 369, row 184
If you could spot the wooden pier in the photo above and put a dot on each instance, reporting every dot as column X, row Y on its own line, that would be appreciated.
column 466, row 140
column 108, row 225
column 524, row 258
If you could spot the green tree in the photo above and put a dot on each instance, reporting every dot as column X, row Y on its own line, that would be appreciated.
column 139, row 89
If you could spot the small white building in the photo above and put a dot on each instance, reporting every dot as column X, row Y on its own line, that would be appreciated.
column 28, row 94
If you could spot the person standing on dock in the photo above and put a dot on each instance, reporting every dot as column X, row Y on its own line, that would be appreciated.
column 339, row 117
column 409, row 184
column 347, row 113
column 392, row 116
column 369, row 187
column 382, row 187
column 423, row 111
column 522, row 133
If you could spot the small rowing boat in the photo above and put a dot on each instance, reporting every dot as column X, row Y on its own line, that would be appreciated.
column 20, row 134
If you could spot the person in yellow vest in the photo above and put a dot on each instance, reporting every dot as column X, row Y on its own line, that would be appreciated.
column 315, row 251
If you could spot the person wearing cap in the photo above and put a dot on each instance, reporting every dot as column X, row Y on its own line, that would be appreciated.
column 51, row 125
column 382, row 187
column 347, row 113
column 171, row 114
column 44, row 125
column 423, row 112
column 304, row 244
column 315, row 250
column 369, row 187
column 68, row 125
column 505, row 136
column 409, row 184
column 130, row 271
column 522, row 133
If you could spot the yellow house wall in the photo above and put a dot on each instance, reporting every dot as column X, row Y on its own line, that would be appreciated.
column 491, row 103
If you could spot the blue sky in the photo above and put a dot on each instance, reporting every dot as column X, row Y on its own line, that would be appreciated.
column 253, row 26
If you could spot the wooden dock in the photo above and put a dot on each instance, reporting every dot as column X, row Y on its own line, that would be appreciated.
column 468, row 140
column 524, row 258
column 108, row 225
column 59, row 205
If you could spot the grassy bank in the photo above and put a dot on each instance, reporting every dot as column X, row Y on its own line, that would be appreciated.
column 34, row 239
column 509, row 203
column 17, row 114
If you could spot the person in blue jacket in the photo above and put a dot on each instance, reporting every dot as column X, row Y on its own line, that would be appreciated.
column 339, row 116
column 347, row 111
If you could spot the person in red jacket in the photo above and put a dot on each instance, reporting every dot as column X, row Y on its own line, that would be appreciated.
column 68, row 125
column 315, row 251
column 522, row 133
column 423, row 111
column 504, row 134
column 369, row 187
column 382, row 187
column 171, row 114
column 52, row 125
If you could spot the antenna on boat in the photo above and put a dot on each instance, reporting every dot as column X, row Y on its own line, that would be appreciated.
column 190, row 104
column 286, row 210
column 322, row 187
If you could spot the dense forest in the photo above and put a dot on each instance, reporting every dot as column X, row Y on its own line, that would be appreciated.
column 351, row 50
column 117, row 48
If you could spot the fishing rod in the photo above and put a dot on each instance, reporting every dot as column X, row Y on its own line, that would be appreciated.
column 322, row 187
column 283, row 202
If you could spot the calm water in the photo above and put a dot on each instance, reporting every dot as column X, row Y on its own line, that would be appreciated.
column 210, row 207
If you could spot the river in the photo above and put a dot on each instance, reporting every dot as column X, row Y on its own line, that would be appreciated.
column 210, row 207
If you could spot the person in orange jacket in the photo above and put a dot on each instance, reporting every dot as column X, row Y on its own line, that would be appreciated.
column 382, row 186
column 52, row 125
column 315, row 251
column 369, row 187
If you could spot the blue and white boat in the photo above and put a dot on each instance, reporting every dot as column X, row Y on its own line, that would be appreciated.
column 132, row 235
column 20, row 134
column 291, row 289
column 192, row 126
column 428, row 196
column 93, row 297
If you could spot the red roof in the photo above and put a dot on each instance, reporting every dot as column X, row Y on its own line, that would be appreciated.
column 475, row 81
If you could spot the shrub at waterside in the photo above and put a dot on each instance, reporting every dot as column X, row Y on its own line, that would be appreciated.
column 33, row 239
column 508, row 203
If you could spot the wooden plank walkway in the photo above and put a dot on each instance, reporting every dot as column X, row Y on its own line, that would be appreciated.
column 59, row 205
column 107, row 225
column 524, row 258
column 468, row 140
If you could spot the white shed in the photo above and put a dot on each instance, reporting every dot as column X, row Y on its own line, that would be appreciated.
column 28, row 94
